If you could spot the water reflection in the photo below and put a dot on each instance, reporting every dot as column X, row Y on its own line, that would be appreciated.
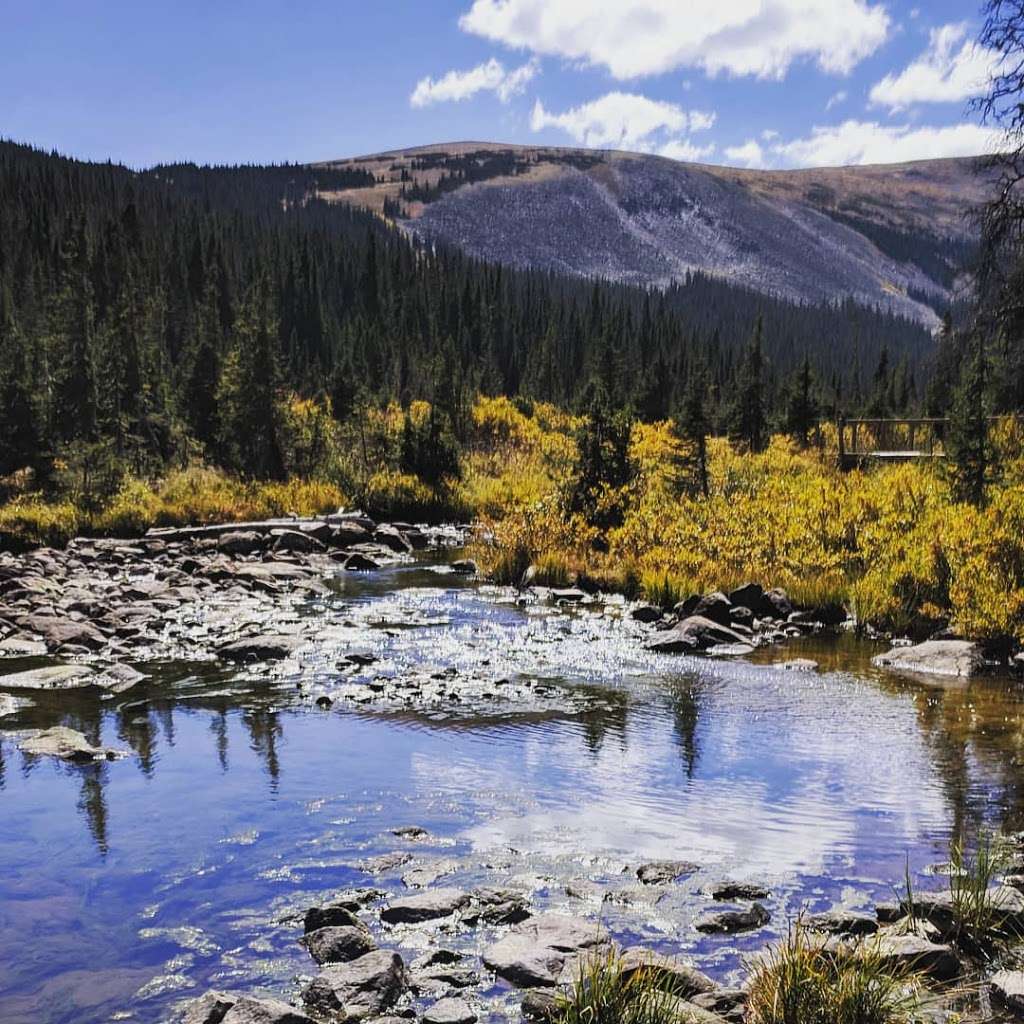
column 685, row 700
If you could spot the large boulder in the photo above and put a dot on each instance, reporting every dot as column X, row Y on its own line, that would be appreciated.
column 346, row 534
column 266, row 647
column 361, row 988
column 1008, row 991
column 911, row 952
column 58, row 632
column 341, row 914
column 393, row 538
column 228, row 1008
column 695, row 633
column 296, row 540
column 336, row 945
column 668, row 973
column 50, row 677
column 716, row 607
column 425, row 906
column 450, row 1010
column 843, row 922
column 244, row 542
column 959, row 658
column 727, row 922
column 533, row 954
column 68, row 745
column 658, row 872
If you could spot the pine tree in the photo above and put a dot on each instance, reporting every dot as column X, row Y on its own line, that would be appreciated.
column 967, row 443
column 695, row 427
column 748, row 424
column 801, row 405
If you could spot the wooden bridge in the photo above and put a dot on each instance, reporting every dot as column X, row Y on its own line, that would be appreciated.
column 890, row 440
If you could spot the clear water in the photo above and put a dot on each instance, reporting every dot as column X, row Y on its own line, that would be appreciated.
column 127, row 887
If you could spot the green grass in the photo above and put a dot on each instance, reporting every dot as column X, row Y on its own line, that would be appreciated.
column 976, row 913
column 603, row 993
column 800, row 981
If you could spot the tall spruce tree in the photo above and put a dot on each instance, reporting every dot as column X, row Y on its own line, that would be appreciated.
column 747, row 423
column 967, row 441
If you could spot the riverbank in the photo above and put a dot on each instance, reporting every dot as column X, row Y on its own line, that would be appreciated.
column 888, row 545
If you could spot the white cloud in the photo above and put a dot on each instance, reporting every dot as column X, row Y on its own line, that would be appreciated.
column 632, row 38
column 836, row 98
column 867, row 142
column 702, row 120
column 750, row 154
column 460, row 85
column 953, row 68
column 622, row 120
column 768, row 134
column 683, row 149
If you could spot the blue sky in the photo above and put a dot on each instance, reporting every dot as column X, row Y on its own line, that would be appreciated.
column 746, row 82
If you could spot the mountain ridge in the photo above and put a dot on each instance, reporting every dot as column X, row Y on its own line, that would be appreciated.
column 895, row 236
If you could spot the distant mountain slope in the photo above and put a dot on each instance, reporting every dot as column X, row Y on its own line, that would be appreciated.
column 892, row 236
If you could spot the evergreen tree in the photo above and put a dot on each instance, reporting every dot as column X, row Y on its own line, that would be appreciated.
column 695, row 427
column 801, row 405
column 748, row 424
column 967, row 443
column 603, row 463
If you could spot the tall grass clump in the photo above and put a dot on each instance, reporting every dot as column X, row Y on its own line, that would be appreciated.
column 801, row 981
column 978, row 915
column 605, row 993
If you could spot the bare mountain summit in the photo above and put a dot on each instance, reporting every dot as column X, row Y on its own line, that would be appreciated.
column 894, row 236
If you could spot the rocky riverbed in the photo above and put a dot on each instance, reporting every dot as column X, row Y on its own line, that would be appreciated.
column 240, row 762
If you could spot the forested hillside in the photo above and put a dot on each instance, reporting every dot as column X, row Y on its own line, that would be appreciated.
column 164, row 313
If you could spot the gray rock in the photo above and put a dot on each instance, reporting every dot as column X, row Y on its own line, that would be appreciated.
column 1008, row 990
column 334, row 945
column 464, row 567
column 958, row 658
column 357, row 562
column 694, row 633
column 266, row 647
column 344, row 535
column 209, row 1008
column 334, row 915
column 797, row 665
column 244, row 542
column 670, row 974
column 497, row 906
column 392, row 538
column 12, row 705
column 68, row 745
column 450, row 1011
column 361, row 988
column 911, row 952
column 568, row 595
column 729, row 892
column 716, row 607
column 842, row 922
column 51, row 677
column 247, row 1010
column 658, row 872
column 425, row 906
column 384, row 862
column 427, row 873
column 539, row 1004
column 726, row 1002
column 533, row 954
column 726, row 922
column 57, row 632
column 646, row 613
column 14, row 647
column 296, row 540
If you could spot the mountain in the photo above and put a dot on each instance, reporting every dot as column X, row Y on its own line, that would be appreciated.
column 893, row 236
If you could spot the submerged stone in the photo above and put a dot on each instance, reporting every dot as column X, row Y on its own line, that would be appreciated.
column 958, row 658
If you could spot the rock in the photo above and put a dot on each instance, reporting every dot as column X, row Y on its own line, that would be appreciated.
column 695, row 633
column 209, row 1008
column 384, row 862
column 450, row 1011
column 17, row 648
column 361, row 988
column 960, row 658
column 52, row 677
column 425, row 906
column 392, row 538
column 778, row 600
column 729, row 892
column 646, row 613
column 341, row 914
column 119, row 678
column 413, row 832
column 741, row 616
column 658, row 872
column 725, row 922
column 247, row 1010
column 244, row 542
column 533, row 954
column 567, row 595
column 539, row 1004
column 911, row 952
column 357, row 562
column 888, row 912
column 497, row 906
column 716, row 607
column 296, row 541
column 1008, row 990
column 57, row 632
column 266, row 647
column 428, row 873
column 12, row 705
column 68, row 745
column 464, row 567
column 726, row 1002
column 338, row 944
column 842, row 922
column 672, row 975
column 345, row 535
